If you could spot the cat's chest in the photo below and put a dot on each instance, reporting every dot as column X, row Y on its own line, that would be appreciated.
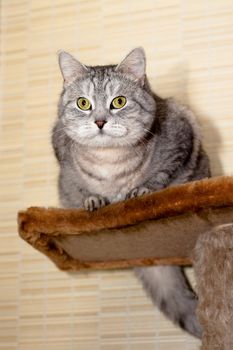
column 111, row 174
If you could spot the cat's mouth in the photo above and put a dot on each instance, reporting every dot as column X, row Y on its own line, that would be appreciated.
column 114, row 132
column 103, row 134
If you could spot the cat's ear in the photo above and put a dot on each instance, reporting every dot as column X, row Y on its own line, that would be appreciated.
column 134, row 64
column 70, row 67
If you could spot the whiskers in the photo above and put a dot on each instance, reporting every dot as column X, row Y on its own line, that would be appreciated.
column 140, row 152
column 149, row 132
column 61, row 136
column 116, row 130
column 141, row 148
column 116, row 135
column 57, row 131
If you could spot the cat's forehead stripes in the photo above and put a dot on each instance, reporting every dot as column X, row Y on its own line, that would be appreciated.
column 100, row 83
column 88, row 88
column 101, row 79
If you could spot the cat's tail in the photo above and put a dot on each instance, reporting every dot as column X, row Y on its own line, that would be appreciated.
column 171, row 293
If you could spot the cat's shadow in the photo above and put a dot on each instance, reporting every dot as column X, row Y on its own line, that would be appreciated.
column 179, row 77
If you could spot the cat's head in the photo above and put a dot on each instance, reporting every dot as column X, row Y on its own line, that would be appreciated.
column 106, row 106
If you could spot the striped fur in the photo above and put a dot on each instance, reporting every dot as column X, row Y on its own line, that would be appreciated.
column 149, row 144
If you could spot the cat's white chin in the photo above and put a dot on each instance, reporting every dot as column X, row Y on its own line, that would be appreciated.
column 114, row 135
column 103, row 140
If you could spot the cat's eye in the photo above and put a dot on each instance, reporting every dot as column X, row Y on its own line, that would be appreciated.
column 118, row 102
column 83, row 103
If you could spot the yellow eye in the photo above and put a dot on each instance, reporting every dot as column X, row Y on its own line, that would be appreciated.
column 118, row 102
column 83, row 103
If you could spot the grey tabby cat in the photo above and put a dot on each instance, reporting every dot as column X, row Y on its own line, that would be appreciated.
column 115, row 139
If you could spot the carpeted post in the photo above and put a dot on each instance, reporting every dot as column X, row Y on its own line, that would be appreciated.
column 213, row 264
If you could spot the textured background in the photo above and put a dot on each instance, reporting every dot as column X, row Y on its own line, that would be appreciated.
column 190, row 53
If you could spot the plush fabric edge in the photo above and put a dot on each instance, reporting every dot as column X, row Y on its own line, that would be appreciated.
column 38, row 225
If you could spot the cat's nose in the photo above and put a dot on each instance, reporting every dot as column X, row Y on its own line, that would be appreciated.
column 100, row 123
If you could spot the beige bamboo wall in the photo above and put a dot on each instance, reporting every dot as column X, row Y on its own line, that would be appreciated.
column 189, row 45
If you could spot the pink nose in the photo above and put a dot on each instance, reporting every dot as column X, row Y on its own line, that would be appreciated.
column 100, row 123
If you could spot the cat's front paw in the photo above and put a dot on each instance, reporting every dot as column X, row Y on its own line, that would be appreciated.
column 94, row 202
column 137, row 192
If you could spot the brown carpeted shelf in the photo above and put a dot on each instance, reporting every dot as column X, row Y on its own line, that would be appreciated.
column 159, row 228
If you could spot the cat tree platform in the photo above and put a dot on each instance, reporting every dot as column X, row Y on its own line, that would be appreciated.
column 158, row 228
column 180, row 225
